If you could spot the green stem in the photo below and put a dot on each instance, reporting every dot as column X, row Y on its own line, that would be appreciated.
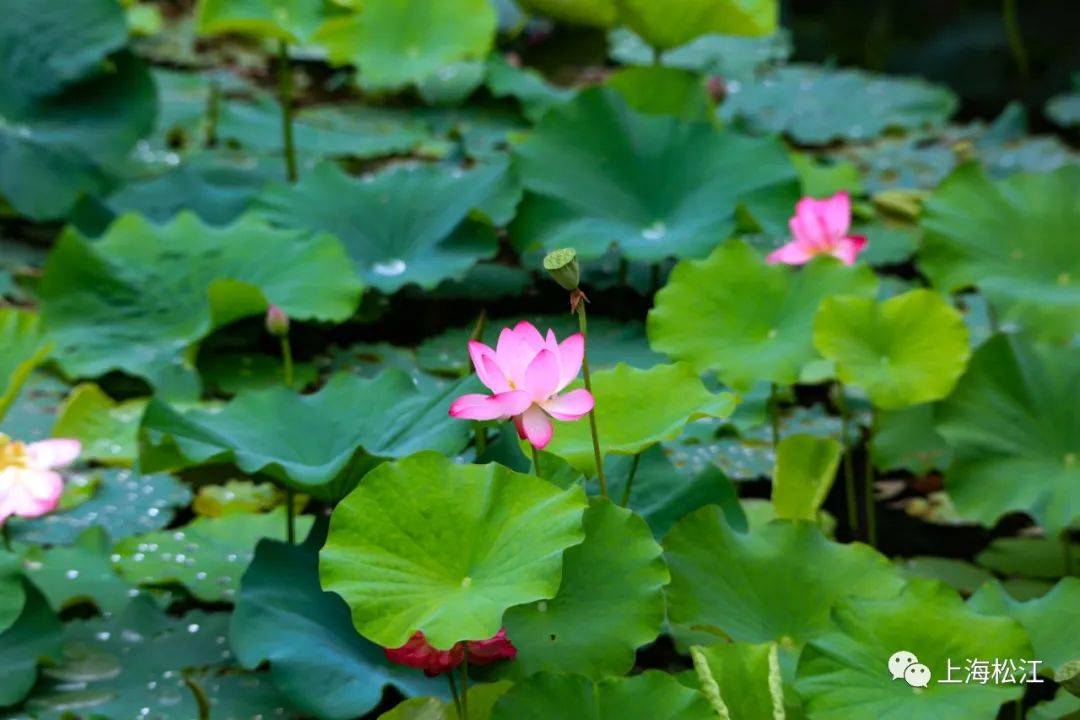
column 536, row 460
column 290, row 515
column 871, row 518
column 465, row 687
column 849, row 463
column 201, row 700
column 481, row 439
column 286, row 361
column 286, row 89
column 6, row 532
column 583, row 323
column 1016, row 38
column 213, row 111
column 630, row 480
column 1018, row 709
column 774, row 415
column 454, row 692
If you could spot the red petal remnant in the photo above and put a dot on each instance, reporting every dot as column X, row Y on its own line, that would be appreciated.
column 485, row 652
column 418, row 653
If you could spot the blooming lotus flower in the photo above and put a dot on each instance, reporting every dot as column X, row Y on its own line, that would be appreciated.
column 526, row 372
column 418, row 653
column 820, row 227
column 29, row 487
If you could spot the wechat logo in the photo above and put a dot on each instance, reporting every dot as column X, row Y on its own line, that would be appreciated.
column 904, row 665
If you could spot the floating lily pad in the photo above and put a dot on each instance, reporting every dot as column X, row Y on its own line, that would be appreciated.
column 348, row 426
column 741, row 680
column 403, row 225
column 106, row 428
column 142, row 297
column 397, row 43
column 1015, row 435
column 79, row 573
column 23, row 346
column 598, row 173
column 316, row 657
column 207, row 556
column 815, row 105
column 526, row 85
column 907, row 350
column 734, row 58
column 1014, row 240
column 846, row 670
column 1064, row 109
column 745, row 319
column 33, row 636
column 69, row 113
column 652, row 695
column 124, row 503
column 776, row 583
column 239, row 496
column 233, row 373
column 665, row 26
column 1048, row 620
column 424, row 544
column 673, row 394
column 610, row 601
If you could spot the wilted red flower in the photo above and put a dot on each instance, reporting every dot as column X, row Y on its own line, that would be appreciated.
column 418, row 653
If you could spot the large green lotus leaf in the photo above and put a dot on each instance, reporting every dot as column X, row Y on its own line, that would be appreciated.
column 741, row 680
column 906, row 438
column 33, row 636
column 207, row 556
column 1015, row 433
column 23, row 346
column 598, row 13
column 526, row 85
column 56, row 148
column 816, row 105
column 652, row 695
column 1051, row 621
column 1028, row 557
column 598, row 173
column 610, row 342
column 667, row 25
column 403, row 225
column 106, row 428
column 658, row 90
column 610, row 602
column 907, row 350
column 845, row 674
column 79, row 573
column 805, row 469
column 1015, row 239
column 733, row 57
column 673, row 394
column 482, row 697
column 316, row 657
column 123, row 503
column 115, row 666
column 745, row 319
column 319, row 444
column 143, row 296
column 773, row 584
column 12, row 597
column 398, row 42
column 290, row 20
column 1064, row 706
column 426, row 544
column 231, row 373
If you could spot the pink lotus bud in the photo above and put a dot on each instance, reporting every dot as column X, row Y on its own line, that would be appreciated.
column 277, row 322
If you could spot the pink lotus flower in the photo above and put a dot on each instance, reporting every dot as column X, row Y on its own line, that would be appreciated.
column 526, row 372
column 418, row 653
column 820, row 228
column 28, row 486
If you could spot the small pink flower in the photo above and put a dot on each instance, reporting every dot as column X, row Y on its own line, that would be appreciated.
column 820, row 227
column 28, row 486
column 418, row 653
column 526, row 372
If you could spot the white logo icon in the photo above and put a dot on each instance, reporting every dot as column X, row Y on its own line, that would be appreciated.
column 917, row 675
column 904, row 664
column 899, row 662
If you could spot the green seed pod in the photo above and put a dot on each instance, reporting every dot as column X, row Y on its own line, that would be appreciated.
column 563, row 267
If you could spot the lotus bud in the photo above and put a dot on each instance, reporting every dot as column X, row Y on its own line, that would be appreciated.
column 563, row 266
column 277, row 322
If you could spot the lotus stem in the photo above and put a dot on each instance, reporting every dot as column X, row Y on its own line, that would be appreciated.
column 6, row 532
column 871, row 519
column 630, row 480
column 454, row 692
column 290, row 515
column 201, row 700
column 286, row 361
column 583, row 323
column 465, row 687
column 481, row 438
column 535, row 460
column 774, row 415
column 286, row 89
column 849, row 465
column 1016, row 38
column 213, row 111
